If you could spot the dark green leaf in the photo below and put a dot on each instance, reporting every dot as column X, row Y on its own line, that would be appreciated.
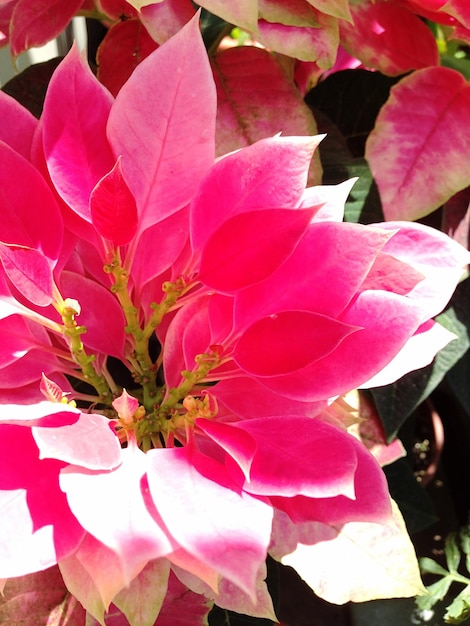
column 352, row 100
column 413, row 501
column 396, row 402
column 29, row 88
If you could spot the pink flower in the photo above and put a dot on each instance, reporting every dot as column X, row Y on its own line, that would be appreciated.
column 119, row 228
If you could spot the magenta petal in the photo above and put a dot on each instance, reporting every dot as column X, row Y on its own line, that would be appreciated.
column 371, row 502
column 38, row 414
column 250, row 246
column 29, row 271
column 289, row 341
column 113, row 208
column 110, row 506
column 247, row 398
column 294, row 456
column 270, row 173
column 75, row 114
column 167, row 141
column 208, row 516
column 18, row 125
column 88, row 442
column 30, row 214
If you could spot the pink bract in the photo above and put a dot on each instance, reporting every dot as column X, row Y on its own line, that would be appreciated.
column 201, row 314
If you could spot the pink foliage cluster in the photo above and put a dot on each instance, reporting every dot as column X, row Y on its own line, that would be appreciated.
column 266, row 307
column 375, row 32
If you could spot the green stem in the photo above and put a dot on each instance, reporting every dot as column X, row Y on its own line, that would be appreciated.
column 74, row 332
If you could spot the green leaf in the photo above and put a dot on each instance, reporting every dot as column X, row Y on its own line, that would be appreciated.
column 414, row 502
column 452, row 552
column 397, row 401
column 437, row 591
column 459, row 611
column 465, row 541
column 430, row 566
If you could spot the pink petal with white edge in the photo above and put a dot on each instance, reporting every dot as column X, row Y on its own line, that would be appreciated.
column 270, row 173
column 167, row 142
column 75, row 114
column 114, row 512
column 440, row 259
column 331, row 197
column 288, row 456
column 208, row 516
column 338, row 257
column 417, row 352
column 33, row 414
column 370, row 503
column 388, row 322
column 249, row 247
column 88, row 442
column 36, row 524
column 289, row 341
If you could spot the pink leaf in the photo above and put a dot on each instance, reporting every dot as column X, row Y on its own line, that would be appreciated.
column 142, row 600
column 182, row 607
column 243, row 13
column 29, row 271
column 34, row 24
column 229, row 531
column 167, row 143
column 40, row 598
column 270, row 173
column 402, row 153
column 288, row 341
column 380, row 38
column 75, row 114
column 317, row 43
column 113, row 209
column 247, row 111
column 124, row 46
column 164, row 19
column 250, row 246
